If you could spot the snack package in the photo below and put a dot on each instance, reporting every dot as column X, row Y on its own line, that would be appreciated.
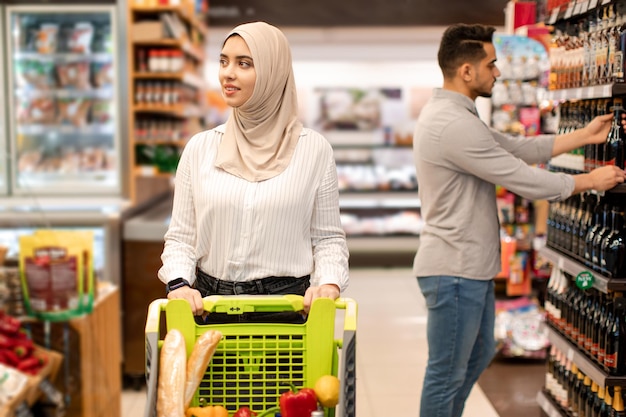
column 73, row 111
column 46, row 38
column 80, row 38
column 56, row 271
column 102, row 74
column 35, row 74
column 36, row 110
column 74, row 75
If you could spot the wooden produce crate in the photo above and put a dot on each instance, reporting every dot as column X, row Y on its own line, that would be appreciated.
column 31, row 392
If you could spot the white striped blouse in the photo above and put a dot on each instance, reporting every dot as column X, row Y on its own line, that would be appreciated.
column 238, row 230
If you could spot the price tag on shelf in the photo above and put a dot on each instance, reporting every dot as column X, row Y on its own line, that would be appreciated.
column 592, row 4
column 569, row 11
column 560, row 263
column 577, row 9
column 584, row 280
column 585, row 7
column 554, row 15
column 605, row 2
column 570, row 354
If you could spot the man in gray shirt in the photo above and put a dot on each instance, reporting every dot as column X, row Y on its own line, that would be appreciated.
column 458, row 161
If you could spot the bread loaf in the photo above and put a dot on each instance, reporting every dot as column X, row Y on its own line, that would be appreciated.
column 172, row 375
column 201, row 355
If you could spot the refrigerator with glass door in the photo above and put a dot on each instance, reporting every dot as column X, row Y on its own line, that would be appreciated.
column 63, row 121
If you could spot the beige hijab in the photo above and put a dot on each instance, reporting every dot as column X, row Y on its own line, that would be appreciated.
column 262, row 134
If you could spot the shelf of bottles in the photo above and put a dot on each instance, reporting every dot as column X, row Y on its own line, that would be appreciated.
column 585, row 306
column 570, row 392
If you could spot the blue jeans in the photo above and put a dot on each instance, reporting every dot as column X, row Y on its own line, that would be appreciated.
column 461, row 342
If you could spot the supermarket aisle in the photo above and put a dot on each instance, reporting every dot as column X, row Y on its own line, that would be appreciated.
column 391, row 348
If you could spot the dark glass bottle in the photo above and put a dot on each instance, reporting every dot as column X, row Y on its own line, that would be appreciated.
column 585, row 391
column 614, row 246
column 579, row 386
column 569, row 306
column 582, row 320
column 614, row 359
column 595, row 323
column 596, row 225
column 591, row 399
column 618, row 403
column 605, row 409
column 590, row 208
column 605, row 228
column 578, row 211
column 571, row 390
column 590, row 150
column 568, row 221
column 582, row 228
column 597, row 403
column 603, row 330
column 615, row 140
column 588, row 320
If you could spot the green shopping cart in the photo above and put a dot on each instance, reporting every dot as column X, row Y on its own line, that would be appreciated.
column 255, row 362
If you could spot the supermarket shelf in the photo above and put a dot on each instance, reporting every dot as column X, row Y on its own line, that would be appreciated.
column 548, row 405
column 584, row 362
column 188, row 78
column 572, row 267
column 379, row 200
column 596, row 91
column 382, row 244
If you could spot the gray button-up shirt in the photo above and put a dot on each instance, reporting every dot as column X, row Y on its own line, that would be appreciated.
column 458, row 160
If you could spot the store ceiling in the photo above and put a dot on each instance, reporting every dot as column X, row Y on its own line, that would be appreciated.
column 327, row 13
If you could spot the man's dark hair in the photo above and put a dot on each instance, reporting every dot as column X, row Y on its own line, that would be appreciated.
column 462, row 43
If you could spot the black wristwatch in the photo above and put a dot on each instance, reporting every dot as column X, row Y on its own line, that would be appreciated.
column 175, row 284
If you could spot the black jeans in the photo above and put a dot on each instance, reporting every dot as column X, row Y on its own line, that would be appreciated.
column 208, row 285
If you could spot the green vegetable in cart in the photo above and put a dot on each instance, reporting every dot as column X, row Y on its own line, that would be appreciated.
column 244, row 412
column 297, row 403
column 327, row 390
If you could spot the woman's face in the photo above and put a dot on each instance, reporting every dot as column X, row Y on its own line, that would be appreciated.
column 237, row 74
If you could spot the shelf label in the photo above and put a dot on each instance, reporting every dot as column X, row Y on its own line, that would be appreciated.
column 584, row 280
column 569, row 11
column 585, row 6
column 605, row 2
column 570, row 354
column 577, row 9
column 593, row 4
column 555, row 15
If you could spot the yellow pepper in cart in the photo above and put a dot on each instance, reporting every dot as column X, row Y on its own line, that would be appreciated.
column 208, row 411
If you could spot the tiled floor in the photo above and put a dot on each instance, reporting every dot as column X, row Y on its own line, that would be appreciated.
column 391, row 349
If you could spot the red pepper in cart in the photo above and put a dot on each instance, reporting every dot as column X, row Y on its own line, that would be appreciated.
column 244, row 412
column 296, row 403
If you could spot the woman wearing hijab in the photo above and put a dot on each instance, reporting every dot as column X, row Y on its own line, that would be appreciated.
column 256, row 207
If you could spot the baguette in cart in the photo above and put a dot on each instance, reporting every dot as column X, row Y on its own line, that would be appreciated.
column 255, row 365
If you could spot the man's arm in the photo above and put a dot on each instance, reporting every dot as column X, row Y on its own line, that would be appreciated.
column 596, row 131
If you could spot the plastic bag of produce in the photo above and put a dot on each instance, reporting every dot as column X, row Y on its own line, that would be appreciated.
column 56, row 271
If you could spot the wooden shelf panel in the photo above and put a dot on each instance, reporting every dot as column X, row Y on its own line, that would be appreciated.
column 187, row 16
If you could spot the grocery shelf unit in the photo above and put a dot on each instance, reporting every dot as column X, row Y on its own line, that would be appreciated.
column 584, row 363
column 585, row 85
column 166, row 57
column 389, row 191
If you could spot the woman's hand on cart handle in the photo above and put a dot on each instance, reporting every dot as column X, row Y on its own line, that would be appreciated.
column 191, row 295
column 326, row 291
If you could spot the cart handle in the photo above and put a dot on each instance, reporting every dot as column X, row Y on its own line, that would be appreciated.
column 251, row 303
